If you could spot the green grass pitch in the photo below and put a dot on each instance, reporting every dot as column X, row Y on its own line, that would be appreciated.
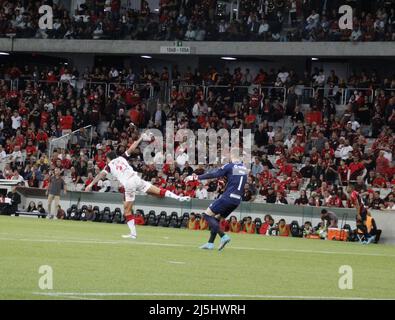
column 92, row 261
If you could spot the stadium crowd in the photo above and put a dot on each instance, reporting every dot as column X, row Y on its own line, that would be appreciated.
column 315, row 153
column 256, row 20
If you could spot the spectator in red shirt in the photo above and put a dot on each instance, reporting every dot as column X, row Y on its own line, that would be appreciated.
column 45, row 183
column 42, row 140
column 268, row 222
column 356, row 169
column 382, row 164
column 44, row 117
column 31, row 150
column 297, row 152
column 135, row 116
column 66, row 122
column 89, row 180
column 189, row 191
column 379, row 181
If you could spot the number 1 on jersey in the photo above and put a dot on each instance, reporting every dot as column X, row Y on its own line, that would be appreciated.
column 241, row 182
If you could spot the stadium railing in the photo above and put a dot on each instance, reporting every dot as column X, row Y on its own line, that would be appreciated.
column 8, row 159
column 336, row 93
column 350, row 91
column 390, row 92
column 9, row 83
column 304, row 93
column 161, row 91
column 82, row 137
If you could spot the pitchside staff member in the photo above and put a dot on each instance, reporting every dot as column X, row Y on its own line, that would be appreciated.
column 55, row 188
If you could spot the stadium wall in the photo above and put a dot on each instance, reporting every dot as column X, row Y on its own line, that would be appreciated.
column 275, row 49
column 385, row 219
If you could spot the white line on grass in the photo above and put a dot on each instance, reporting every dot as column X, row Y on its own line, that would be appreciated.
column 195, row 295
column 75, row 297
column 176, row 262
column 143, row 243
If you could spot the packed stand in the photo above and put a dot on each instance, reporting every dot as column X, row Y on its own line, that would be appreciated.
column 311, row 154
column 255, row 20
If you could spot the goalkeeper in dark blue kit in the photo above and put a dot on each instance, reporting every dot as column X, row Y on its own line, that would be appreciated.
column 236, row 174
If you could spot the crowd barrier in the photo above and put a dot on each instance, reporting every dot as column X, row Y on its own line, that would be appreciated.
column 161, row 91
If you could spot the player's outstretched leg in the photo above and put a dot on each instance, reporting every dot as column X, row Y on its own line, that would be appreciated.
column 161, row 192
column 130, row 221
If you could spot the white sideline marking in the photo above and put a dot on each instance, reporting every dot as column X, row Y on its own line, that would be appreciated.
column 75, row 297
column 197, row 295
column 176, row 262
column 126, row 242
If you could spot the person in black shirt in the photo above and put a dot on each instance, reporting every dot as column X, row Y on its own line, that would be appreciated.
column 260, row 137
column 302, row 200
column 247, row 196
column 377, row 203
column 187, row 169
column 266, row 163
column 297, row 115
column 330, row 173
column 271, row 196
column 212, row 186
column 15, row 201
column 307, row 170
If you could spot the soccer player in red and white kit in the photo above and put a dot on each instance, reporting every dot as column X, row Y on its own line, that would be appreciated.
column 119, row 167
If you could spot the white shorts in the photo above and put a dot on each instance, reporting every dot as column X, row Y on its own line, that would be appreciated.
column 135, row 184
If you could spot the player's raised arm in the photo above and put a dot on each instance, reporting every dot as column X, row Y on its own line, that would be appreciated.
column 221, row 172
column 133, row 146
column 100, row 176
column 143, row 137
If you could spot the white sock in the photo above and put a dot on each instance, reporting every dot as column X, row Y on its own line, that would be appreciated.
column 170, row 194
column 132, row 228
